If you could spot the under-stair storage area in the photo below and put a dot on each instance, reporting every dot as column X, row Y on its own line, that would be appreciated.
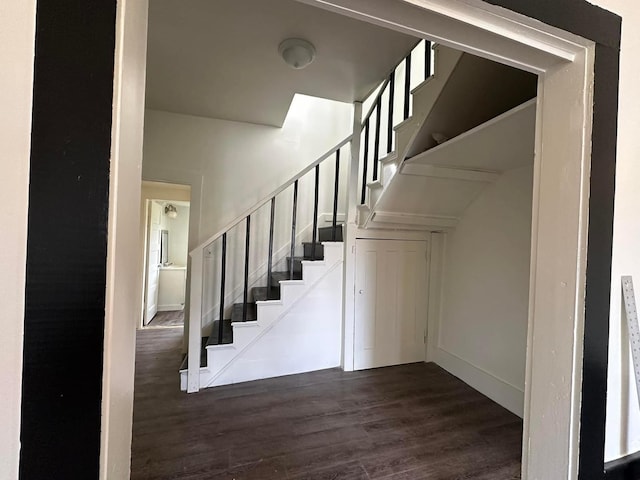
column 479, row 302
column 458, row 166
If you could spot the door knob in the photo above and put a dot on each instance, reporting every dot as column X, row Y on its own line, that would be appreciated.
column 361, row 292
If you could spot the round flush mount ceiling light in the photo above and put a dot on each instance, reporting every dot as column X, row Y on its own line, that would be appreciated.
column 297, row 53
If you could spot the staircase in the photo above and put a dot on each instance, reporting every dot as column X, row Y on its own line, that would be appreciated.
column 284, row 317
column 249, row 345
column 446, row 136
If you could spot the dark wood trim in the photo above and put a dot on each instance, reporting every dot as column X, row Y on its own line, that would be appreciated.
column 600, row 241
column 67, row 239
column 604, row 28
column 625, row 468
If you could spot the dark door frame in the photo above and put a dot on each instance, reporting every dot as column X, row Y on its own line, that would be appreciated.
column 67, row 230
column 603, row 28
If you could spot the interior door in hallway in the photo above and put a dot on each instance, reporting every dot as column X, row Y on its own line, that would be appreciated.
column 391, row 309
column 153, row 262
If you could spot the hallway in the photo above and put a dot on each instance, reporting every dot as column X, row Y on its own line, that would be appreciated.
column 411, row 422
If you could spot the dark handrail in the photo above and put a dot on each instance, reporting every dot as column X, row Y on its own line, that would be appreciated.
column 376, row 143
column 270, row 260
column 315, row 214
column 407, row 85
column 365, row 163
column 392, row 83
column 293, row 228
column 222, row 281
column 335, row 197
column 246, row 271
column 427, row 59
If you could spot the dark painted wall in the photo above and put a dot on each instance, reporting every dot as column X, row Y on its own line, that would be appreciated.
column 67, row 238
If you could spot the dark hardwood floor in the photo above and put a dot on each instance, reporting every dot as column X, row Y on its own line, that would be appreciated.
column 167, row 319
column 411, row 422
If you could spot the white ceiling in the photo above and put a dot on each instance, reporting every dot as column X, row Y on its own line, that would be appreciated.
column 219, row 58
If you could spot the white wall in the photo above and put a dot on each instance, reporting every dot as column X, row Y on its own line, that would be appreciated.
column 235, row 165
column 17, row 33
column 239, row 163
column 179, row 236
column 123, row 285
column 482, row 334
column 623, row 414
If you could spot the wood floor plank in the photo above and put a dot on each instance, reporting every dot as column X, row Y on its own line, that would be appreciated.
column 409, row 422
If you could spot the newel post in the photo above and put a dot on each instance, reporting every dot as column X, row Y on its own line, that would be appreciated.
column 195, row 321
column 350, row 228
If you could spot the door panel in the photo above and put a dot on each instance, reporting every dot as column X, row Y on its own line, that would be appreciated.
column 153, row 263
column 390, row 303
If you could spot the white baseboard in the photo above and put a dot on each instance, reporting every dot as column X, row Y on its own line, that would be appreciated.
column 501, row 392
column 170, row 307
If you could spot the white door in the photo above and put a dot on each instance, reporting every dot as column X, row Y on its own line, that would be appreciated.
column 153, row 262
column 391, row 307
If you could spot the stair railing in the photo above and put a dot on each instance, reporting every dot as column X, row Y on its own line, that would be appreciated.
column 388, row 88
column 197, row 255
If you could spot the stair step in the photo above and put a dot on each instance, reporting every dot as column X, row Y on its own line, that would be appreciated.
column 252, row 312
column 227, row 333
column 203, row 355
column 297, row 264
column 325, row 234
column 281, row 276
column 260, row 293
column 308, row 250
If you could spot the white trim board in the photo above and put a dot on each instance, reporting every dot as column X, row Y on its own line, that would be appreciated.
column 498, row 390
column 171, row 307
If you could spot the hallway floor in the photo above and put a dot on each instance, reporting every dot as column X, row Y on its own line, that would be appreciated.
column 174, row 318
column 410, row 422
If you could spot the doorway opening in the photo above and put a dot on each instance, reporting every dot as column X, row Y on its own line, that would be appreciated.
column 165, row 219
column 548, row 211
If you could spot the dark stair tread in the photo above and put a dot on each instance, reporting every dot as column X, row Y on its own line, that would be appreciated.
column 308, row 250
column 325, row 234
column 227, row 333
column 260, row 293
column 252, row 312
column 281, row 276
column 297, row 263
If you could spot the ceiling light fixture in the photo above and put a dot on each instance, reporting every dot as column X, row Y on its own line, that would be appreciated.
column 297, row 53
column 171, row 211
